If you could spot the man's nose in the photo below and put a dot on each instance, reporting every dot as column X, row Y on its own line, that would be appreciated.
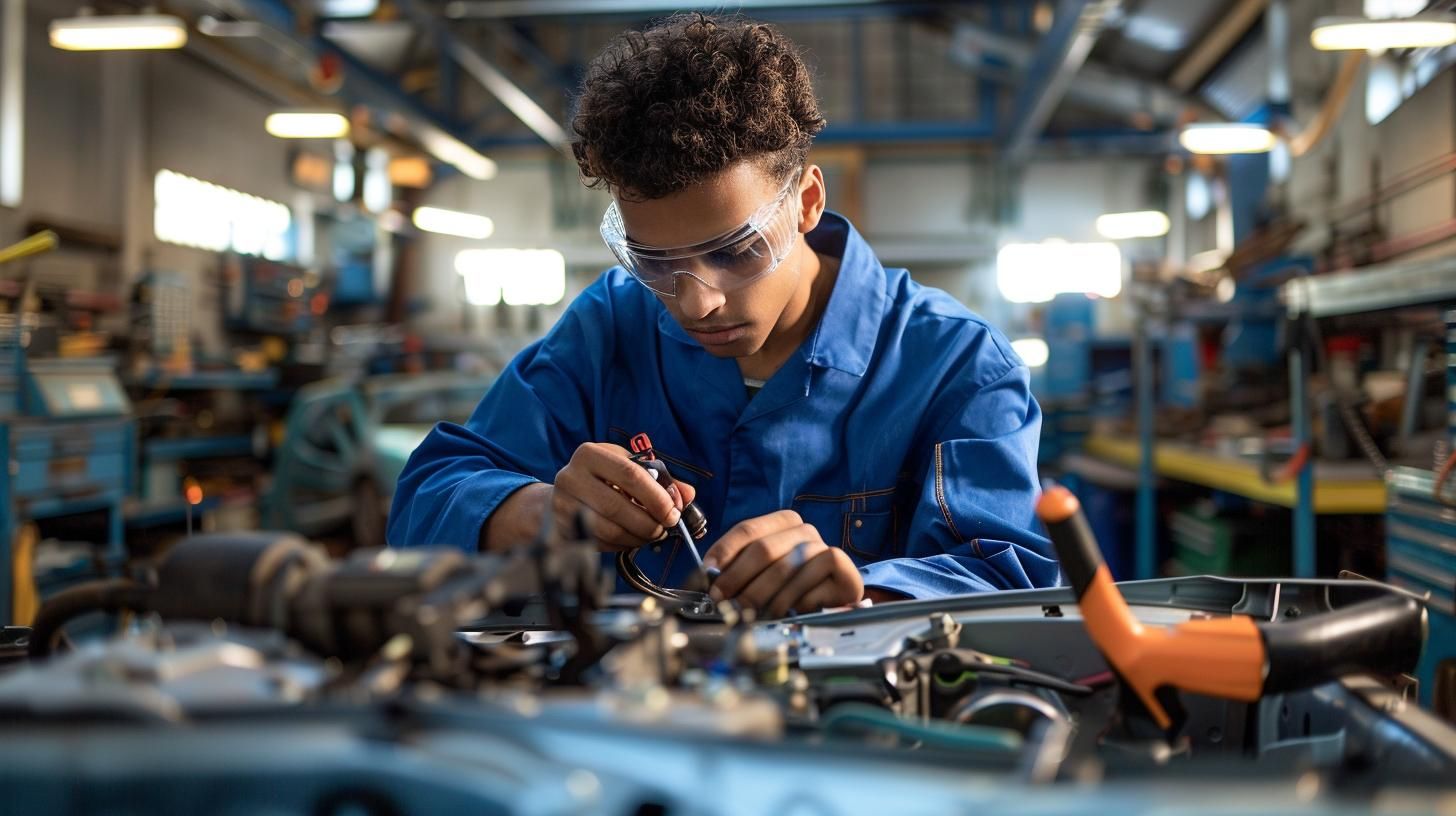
column 696, row 299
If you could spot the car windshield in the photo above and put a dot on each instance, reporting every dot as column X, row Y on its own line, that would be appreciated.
column 451, row 405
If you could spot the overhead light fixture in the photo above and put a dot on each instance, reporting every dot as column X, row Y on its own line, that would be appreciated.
column 453, row 222
column 1139, row 224
column 307, row 124
column 118, row 32
column 346, row 8
column 456, row 153
column 1362, row 34
column 1224, row 138
column 1032, row 350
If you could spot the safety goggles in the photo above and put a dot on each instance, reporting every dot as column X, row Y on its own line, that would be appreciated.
column 730, row 261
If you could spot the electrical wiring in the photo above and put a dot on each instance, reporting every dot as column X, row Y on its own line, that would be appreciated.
column 633, row 575
column 954, row 664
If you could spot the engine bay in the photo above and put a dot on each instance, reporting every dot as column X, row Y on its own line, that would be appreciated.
column 404, row 681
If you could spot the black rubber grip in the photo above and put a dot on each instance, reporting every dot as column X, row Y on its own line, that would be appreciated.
column 1077, row 550
column 1384, row 636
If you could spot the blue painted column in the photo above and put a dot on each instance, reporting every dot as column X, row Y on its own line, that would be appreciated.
column 1304, row 554
column 1146, row 543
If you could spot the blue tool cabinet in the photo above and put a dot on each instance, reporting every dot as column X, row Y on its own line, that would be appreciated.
column 1421, row 556
column 69, row 443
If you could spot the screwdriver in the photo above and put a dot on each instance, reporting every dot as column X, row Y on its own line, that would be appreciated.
column 644, row 455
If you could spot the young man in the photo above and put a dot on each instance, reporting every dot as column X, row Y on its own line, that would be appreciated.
column 847, row 432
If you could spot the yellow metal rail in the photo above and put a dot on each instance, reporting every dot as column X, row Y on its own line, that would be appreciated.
column 1241, row 477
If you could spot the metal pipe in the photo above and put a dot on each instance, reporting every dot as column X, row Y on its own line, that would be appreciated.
column 1406, row 182
column 1400, row 245
column 1216, row 44
column 1334, row 104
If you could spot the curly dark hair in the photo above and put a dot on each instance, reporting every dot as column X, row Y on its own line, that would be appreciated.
column 662, row 109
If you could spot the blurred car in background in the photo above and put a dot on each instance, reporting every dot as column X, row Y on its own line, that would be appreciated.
column 345, row 444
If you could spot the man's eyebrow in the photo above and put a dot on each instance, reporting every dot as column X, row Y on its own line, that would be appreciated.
column 731, row 232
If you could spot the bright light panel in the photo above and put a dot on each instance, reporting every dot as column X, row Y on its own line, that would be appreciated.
column 453, row 222
column 457, row 154
column 119, row 32
column 194, row 213
column 347, row 8
column 1032, row 350
column 1140, row 224
column 1219, row 139
column 1036, row 273
column 520, row 277
column 307, row 125
column 1360, row 34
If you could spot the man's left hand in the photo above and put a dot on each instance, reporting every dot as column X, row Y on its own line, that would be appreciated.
column 776, row 563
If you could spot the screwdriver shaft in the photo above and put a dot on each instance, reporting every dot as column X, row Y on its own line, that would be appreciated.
column 687, row 537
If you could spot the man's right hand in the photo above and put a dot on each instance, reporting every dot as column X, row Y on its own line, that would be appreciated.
column 619, row 504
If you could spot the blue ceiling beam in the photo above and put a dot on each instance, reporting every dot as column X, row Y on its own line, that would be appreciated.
column 490, row 77
column 362, row 83
column 1062, row 52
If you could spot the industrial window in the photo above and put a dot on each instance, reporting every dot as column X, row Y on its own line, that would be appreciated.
column 195, row 213
column 520, row 277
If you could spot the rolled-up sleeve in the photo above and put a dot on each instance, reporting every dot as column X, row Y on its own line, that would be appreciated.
column 974, row 527
column 526, row 428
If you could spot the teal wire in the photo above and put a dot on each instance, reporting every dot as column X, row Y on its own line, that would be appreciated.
column 948, row 735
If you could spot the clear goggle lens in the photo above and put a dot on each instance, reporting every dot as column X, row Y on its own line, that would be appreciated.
column 730, row 261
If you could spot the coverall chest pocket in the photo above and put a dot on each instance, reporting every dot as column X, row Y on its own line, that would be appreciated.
column 864, row 524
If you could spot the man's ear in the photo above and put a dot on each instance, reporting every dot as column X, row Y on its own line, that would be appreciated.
column 813, row 198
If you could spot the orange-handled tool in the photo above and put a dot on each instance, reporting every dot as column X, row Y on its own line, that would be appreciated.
column 1234, row 658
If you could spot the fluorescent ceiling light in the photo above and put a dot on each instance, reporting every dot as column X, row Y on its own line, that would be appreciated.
column 1361, row 34
column 453, row 222
column 1032, row 350
column 520, row 277
column 1217, row 139
column 1140, row 224
column 305, row 124
column 456, row 153
column 119, row 32
column 1036, row 273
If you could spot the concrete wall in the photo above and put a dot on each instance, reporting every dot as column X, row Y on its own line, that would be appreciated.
column 1356, row 156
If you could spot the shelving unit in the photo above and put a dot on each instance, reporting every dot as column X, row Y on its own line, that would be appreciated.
column 1339, row 487
column 1370, row 289
column 205, row 380
column 1373, row 289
